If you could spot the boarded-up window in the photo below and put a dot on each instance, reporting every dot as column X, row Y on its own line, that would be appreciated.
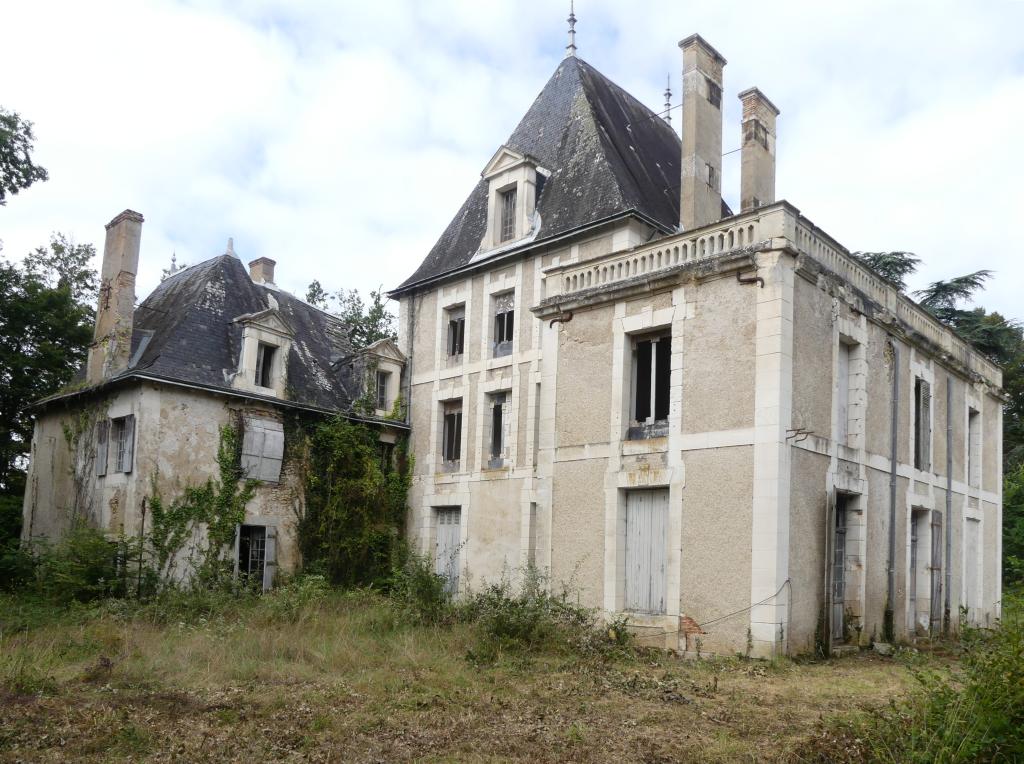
column 646, row 542
column 974, row 448
column 122, row 440
column 102, row 431
column 922, row 425
column 446, row 547
column 262, row 449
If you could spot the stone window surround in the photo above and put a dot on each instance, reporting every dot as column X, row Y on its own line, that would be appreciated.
column 921, row 368
column 482, row 426
column 852, row 332
column 519, row 172
column 253, row 334
column 973, row 401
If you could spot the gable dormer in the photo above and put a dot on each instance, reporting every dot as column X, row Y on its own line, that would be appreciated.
column 512, row 180
column 263, row 359
column 383, row 363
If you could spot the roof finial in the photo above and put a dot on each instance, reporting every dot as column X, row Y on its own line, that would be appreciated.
column 231, row 247
column 570, row 49
column 668, row 98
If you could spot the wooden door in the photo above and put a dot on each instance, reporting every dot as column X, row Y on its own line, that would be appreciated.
column 646, row 537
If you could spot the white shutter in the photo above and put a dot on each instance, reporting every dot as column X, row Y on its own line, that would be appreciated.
column 842, row 393
column 270, row 558
column 446, row 555
column 646, row 527
column 972, row 593
column 252, row 448
column 273, row 451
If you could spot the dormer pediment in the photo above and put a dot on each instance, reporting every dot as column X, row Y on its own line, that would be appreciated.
column 386, row 348
column 506, row 159
column 269, row 320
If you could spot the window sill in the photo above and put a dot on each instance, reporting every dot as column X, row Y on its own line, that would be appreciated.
column 648, row 431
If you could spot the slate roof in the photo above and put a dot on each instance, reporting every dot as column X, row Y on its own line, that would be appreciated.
column 185, row 331
column 608, row 154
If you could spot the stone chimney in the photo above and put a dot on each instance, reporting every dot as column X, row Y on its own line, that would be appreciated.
column 757, row 170
column 261, row 270
column 112, row 339
column 700, row 192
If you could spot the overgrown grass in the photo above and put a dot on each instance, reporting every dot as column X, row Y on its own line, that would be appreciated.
column 972, row 711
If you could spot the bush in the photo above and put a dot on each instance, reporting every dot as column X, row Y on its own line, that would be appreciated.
column 418, row 590
column 82, row 567
column 972, row 714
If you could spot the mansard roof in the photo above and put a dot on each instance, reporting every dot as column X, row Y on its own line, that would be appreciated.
column 608, row 155
column 187, row 331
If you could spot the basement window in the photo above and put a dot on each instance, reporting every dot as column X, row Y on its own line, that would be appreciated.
column 504, row 323
column 451, row 435
column 508, row 214
column 265, row 364
column 922, row 425
column 262, row 449
column 456, row 331
column 714, row 94
column 649, row 397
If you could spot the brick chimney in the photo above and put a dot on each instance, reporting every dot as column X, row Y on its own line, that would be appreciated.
column 757, row 169
column 112, row 339
column 261, row 270
column 700, row 200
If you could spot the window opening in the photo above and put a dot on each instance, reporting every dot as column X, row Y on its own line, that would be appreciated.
column 456, row 331
column 265, row 365
column 652, row 361
column 843, row 394
column 102, row 433
column 974, row 448
column 508, row 214
column 499, row 424
column 446, row 547
column 839, row 571
column 252, row 554
column 451, row 438
column 922, row 424
column 712, row 177
column 382, row 390
column 504, row 324
column 122, row 436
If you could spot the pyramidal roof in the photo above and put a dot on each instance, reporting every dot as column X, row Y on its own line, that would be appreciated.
column 608, row 154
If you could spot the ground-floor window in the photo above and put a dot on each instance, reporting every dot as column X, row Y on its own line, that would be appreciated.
column 646, row 542
column 924, row 580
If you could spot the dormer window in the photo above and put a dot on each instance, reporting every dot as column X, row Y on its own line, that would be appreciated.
column 382, row 390
column 508, row 214
column 265, row 365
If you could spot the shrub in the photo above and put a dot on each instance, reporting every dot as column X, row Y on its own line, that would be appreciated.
column 293, row 599
column 81, row 567
column 418, row 590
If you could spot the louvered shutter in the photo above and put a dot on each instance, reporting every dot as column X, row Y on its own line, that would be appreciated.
column 273, row 452
column 270, row 558
column 252, row 449
column 926, row 426
column 129, row 443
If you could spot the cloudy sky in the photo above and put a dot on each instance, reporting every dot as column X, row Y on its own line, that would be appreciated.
column 340, row 137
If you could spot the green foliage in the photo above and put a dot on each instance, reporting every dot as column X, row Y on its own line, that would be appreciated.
column 82, row 567
column 894, row 267
column 17, row 170
column 46, row 325
column 972, row 714
column 1013, row 528
column 354, row 509
column 941, row 297
column 367, row 321
column 418, row 591
column 218, row 506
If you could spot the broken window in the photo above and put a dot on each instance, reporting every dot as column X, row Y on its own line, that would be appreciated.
column 256, row 560
column 652, row 366
column 451, row 435
column 456, row 331
column 383, row 377
column 498, row 403
column 262, row 449
column 122, row 441
column 508, row 214
column 973, row 448
column 922, row 425
column 504, row 323
column 265, row 365
column 714, row 93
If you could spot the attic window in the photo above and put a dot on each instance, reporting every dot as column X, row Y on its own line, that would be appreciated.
column 265, row 365
column 508, row 214
column 382, row 389
column 714, row 94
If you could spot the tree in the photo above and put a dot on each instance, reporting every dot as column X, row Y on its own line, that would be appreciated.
column 367, row 322
column 894, row 267
column 17, row 171
column 46, row 325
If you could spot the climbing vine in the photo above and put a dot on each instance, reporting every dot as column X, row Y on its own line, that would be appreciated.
column 355, row 503
column 218, row 505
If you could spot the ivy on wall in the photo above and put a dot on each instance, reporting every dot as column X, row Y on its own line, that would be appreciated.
column 355, row 503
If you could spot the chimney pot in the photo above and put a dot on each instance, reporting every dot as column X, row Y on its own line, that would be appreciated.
column 700, row 188
column 757, row 168
column 261, row 270
column 115, row 314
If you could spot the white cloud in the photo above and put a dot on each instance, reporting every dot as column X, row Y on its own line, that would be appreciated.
column 339, row 138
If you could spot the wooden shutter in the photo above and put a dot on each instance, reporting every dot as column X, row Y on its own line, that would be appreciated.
column 252, row 448
column 270, row 558
column 936, row 572
column 446, row 548
column 102, row 446
column 972, row 543
column 262, row 450
column 129, row 443
column 926, row 426
column 646, row 528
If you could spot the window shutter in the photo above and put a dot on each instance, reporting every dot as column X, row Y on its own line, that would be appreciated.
column 273, row 453
column 252, row 449
column 129, row 443
column 511, row 317
column 102, row 432
column 270, row 558
column 458, row 436
column 926, row 426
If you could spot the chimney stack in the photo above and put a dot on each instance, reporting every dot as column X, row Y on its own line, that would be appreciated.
column 112, row 339
column 261, row 270
column 757, row 170
column 700, row 191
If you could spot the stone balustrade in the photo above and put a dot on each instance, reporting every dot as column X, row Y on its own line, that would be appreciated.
column 755, row 230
